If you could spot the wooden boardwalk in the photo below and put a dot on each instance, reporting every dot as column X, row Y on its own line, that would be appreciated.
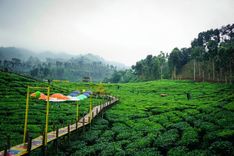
column 21, row 149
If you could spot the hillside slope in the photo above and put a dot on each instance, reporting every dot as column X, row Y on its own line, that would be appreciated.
column 12, row 107
column 144, row 123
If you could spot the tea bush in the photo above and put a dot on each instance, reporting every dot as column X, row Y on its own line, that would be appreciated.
column 142, row 123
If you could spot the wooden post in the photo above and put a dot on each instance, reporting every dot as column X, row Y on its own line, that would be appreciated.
column 90, row 108
column 83, row 122
column 68, row 131
column 57, row 141
column 77, row 124
column 5, row 151
column 77, row 110
column 8, row 142
column 43, row 138
column 29, row 145
column 27, row 136
column 89, row 122
column 43, row 149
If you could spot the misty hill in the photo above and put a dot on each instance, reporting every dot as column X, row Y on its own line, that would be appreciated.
column 49, row 65
column 7, row 53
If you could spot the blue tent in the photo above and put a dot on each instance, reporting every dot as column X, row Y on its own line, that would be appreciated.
column 86, row 94
column 74, row 93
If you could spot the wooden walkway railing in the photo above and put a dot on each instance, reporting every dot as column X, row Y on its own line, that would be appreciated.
column 23, row 149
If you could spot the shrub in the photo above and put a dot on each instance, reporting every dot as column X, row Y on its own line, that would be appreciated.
column 147, row 152
column 147, row 126
column 172, row 117
column 107, row 135
column 177, row 151
column 124, row 135
column 198, row 153
column 110, row 149
column 167, row 139
column 142, row 142
column 226, row 134
column 180, row 126
column 205, row 126
column 189, row 137
column 222, row 148
column 91, row 136
column 230, row 106
column 161, row 119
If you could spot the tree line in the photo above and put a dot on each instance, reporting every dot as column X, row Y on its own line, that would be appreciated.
column 209, row 58
column 73, row 69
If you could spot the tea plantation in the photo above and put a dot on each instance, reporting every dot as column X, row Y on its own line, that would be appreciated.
column 12, row 108
column 190, row 119
column 144, row 123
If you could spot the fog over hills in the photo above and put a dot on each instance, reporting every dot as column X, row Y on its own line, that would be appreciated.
column 54, row 65
column 7, row 53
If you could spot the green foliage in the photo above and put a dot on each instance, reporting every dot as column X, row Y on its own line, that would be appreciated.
column 222, row 148
column 122, row 76
column 169, row 125
column 177, row 151
column 142, row 123
column 189, row 137
column 46, row 66
column 12, row 108
column 147, row 151
column 167, row 139
column 230, row 106
column 150, row 68
column 226, row 133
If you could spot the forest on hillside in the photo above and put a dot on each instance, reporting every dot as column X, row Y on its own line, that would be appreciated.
column 48, row 66
column 209, row 58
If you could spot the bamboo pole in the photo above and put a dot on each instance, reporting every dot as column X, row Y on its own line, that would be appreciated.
column 47, row 115
column 26, row 116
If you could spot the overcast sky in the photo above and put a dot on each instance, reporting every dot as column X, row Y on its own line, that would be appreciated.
column 120, row 30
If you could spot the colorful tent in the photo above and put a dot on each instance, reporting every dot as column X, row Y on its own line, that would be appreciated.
column 39, row 95
column 74, row 93
column 82, row 97
column 56, row 100
column 59, row 96
column 36, row 94
column 86, row 94
column 43, row 97
column 71, row 98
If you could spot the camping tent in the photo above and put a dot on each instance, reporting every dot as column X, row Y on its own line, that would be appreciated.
column 74, row 93
column 86, row 94
column 59, row 96
column 82, row 97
